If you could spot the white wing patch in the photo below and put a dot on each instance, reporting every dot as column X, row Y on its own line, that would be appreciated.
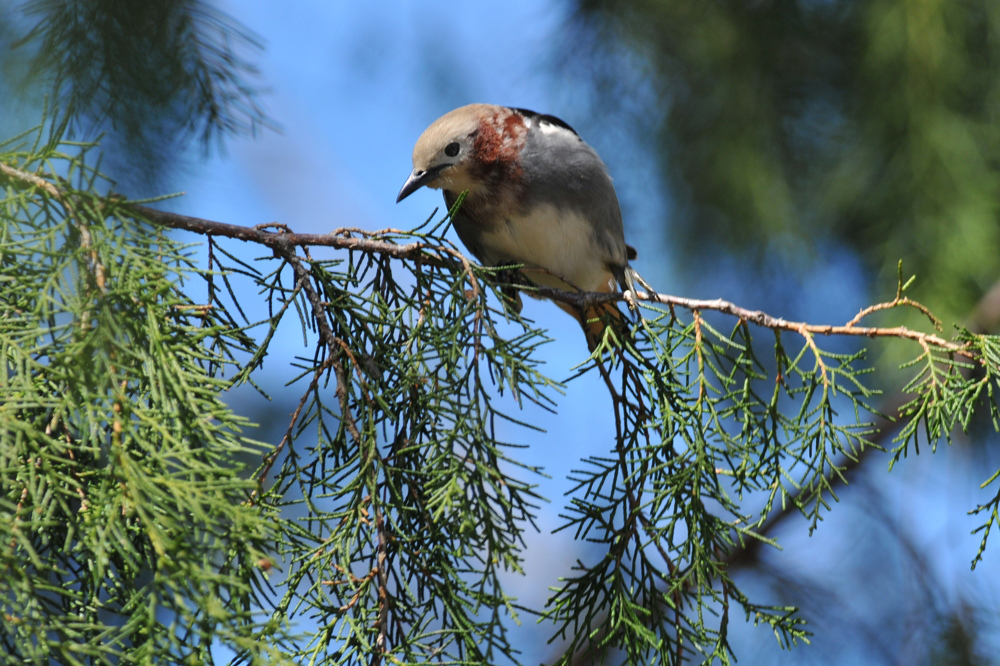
column 545, row 127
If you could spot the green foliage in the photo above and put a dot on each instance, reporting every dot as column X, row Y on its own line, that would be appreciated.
column 408, row 506
column 390, row 513
column 392, row 509
column 125, row 536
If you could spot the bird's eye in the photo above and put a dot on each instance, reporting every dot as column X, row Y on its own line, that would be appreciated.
column 451, row 149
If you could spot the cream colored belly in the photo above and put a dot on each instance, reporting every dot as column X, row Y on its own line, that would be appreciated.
column 560, row 243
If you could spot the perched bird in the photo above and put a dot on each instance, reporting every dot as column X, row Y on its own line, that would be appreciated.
column 537, row 195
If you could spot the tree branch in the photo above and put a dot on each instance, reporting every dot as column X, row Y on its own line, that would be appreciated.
column 351, row 238
column 346, row 238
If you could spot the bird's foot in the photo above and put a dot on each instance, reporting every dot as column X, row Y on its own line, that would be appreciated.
column 630, row 298
column 653, row 296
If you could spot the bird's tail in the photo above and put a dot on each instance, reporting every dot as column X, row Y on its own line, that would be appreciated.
column 598, row 318
column 595, row 319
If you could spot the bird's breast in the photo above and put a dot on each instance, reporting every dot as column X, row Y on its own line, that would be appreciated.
column 559, row 241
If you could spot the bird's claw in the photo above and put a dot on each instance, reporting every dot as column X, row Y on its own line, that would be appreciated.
column 630, row 298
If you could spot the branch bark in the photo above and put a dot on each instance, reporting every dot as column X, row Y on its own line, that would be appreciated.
column 369, row 241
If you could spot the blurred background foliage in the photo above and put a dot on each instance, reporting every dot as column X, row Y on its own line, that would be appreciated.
column 805, row 138
column 152, row 77
column 789, row 126
column 787, row 134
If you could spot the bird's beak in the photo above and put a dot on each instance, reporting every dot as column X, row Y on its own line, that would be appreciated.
column 418, row 179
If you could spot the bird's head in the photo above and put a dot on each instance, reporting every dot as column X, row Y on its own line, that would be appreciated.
column 455, row 151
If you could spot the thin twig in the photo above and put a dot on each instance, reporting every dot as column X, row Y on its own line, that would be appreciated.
column 381, row 624
column 276, row 451
column 899, row 301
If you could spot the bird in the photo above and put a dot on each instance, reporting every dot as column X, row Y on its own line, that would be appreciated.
column 537, row 195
